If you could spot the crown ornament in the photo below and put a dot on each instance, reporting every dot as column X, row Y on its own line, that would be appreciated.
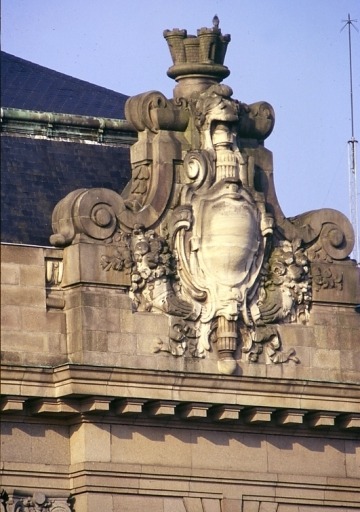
column 198, row 56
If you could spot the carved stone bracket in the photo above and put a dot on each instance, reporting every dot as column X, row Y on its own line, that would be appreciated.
column 89, row 212
column 327, row 234
column 152, row 111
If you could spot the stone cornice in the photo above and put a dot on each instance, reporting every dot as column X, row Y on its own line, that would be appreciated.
column 72, row 390
column 66, row 126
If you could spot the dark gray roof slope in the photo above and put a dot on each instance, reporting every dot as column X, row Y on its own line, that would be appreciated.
column 30, row 86
column 40, row 170
column 37, row 173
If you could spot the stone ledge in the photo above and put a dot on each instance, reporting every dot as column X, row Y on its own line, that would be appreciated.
column 183, row 412
column 28, row 475
column 89, row 381
column 117, row 469
column 124, row 479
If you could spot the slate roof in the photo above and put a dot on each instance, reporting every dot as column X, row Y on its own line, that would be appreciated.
column 30, row 86
column 37, row 172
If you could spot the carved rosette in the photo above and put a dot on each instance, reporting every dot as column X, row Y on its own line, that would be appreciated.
column 198, row 230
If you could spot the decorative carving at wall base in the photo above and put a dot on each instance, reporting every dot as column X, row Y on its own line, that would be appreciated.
column 38, row 502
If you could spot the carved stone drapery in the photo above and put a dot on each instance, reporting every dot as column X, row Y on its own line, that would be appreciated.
column 198, row 230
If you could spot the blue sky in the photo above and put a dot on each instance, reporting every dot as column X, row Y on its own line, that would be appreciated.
column 288, row 52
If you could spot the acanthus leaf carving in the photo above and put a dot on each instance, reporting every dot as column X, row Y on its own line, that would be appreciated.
column 326, row 277
column 266, row 339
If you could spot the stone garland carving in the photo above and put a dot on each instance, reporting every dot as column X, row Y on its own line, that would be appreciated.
column 147, row 257
column 284, row 295
column 285, row 291
column 121, row 258
column 198, row 228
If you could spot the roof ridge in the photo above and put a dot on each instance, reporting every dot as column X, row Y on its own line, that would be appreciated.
column 55, row 72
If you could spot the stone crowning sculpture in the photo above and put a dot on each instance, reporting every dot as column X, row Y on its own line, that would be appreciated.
column 198, row 230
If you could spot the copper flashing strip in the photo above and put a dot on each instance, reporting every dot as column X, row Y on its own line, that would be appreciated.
column 57, row 125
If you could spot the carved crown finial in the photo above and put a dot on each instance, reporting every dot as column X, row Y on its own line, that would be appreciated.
column 202, row 54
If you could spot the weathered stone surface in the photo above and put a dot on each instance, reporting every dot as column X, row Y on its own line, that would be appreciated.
column 161, row 238
column 10, row 273
column 184, row 347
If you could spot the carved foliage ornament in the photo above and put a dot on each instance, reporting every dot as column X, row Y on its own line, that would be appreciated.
column 38, row 502
column 199, row 229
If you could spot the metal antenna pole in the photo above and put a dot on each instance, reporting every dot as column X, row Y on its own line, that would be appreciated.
column 353, row 190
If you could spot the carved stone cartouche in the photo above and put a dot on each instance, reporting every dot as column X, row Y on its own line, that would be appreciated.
column 198, row 230
column 221, row 250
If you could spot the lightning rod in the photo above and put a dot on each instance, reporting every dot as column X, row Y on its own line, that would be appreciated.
column 352, row 153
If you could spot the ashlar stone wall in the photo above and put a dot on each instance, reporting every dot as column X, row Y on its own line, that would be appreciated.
column 182, row 346
column 94, row 419
column 95, row 323
column 32, row 334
